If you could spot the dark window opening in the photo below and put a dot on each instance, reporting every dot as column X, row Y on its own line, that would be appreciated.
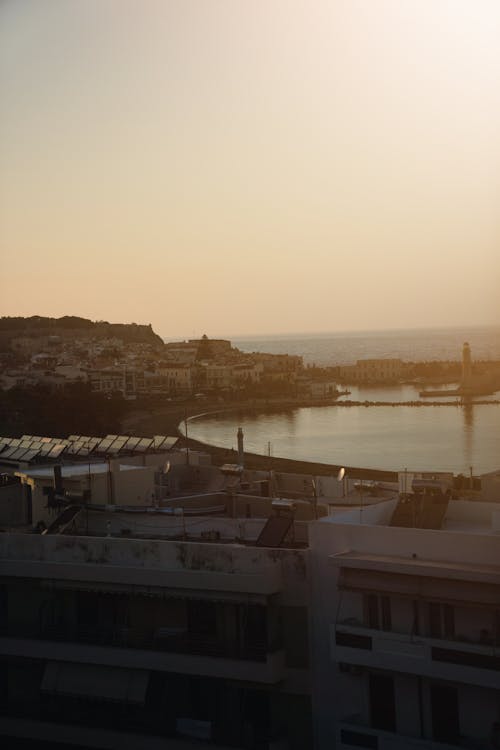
column 202, row 618
column 445, row 719
column 382, row 702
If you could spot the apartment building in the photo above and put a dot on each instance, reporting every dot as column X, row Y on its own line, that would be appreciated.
column 406, row 634
column 174, row 631
column 110, row 380
column 177, row 378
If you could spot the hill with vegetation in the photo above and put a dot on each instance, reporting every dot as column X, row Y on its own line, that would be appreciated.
column 71, row 326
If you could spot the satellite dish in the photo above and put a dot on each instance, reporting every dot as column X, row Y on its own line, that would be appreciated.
column 341, row 474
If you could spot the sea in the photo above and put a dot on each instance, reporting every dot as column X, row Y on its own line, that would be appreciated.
column 410, row 345
column 449, row 437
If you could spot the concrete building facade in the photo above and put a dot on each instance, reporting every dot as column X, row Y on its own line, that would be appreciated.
column 406, row 633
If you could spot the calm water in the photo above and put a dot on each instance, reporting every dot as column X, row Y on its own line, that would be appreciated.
column 448, row 438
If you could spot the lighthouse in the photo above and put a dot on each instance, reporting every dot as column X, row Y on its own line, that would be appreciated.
column 466, row 366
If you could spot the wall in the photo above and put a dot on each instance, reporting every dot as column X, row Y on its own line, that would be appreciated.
column 344, row 533
column 12, row 505
column 209, row 564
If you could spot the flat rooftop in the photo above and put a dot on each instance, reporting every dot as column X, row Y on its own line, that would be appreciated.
column 462, row 516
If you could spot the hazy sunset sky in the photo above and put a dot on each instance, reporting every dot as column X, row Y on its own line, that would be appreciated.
column 264, row 166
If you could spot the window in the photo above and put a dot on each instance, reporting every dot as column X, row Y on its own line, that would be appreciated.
column 202, row 617
column 382, row 702
column 441, row 620
column 416, row 618
column 378, row 612
column 445, row 718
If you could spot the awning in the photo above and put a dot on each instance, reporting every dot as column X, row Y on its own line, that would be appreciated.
column 415, row 586
column 95, row 682
column 102, row 587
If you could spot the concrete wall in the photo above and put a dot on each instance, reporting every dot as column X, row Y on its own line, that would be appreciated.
column 13, row 509
column 139, row 525
column 167, row 563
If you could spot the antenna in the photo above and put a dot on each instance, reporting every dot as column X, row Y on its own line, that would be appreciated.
column 315, row 498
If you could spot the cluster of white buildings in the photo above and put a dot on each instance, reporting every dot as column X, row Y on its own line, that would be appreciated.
column 133, row 369
column 166, row 602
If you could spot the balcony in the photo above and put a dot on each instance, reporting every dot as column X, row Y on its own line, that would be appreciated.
column 477, row 664
column 165, row 649
column 354, row 733
column 170, row 639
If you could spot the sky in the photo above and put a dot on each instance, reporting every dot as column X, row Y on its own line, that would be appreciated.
column 237, row 167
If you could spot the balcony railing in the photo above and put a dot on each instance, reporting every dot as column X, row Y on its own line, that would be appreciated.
column 165, row 639
column 483, row 638
column 356, row 733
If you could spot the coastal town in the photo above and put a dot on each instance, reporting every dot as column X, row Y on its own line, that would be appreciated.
column 249, row 375
column 133, row 362
column 149, row 581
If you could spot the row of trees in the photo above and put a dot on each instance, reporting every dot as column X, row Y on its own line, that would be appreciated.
column 41, row 411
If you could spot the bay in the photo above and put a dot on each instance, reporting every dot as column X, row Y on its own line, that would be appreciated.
column 450, row 437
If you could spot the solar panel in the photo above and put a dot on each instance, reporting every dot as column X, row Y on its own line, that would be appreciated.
column 74, row 437
column 45, row 449
column 132, row 442
column 158, row 440
column 144, row 445
column 25, row 443
column 168, row 443
column 69, row 514
column 274, row 532
column 103, row 445
column 26, row 437
column 9, row 451
column 73, row 448
column 30, row 455
column 111, row 437
column 17, row 454
column 46, row 440
column 36, row 444
column 83, row 451
column 117, row 445
column 85, row 438
column 56, row 450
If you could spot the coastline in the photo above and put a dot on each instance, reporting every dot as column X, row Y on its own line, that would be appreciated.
column 167, row 420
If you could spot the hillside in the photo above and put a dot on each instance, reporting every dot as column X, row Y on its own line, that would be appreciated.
column 71, row 326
